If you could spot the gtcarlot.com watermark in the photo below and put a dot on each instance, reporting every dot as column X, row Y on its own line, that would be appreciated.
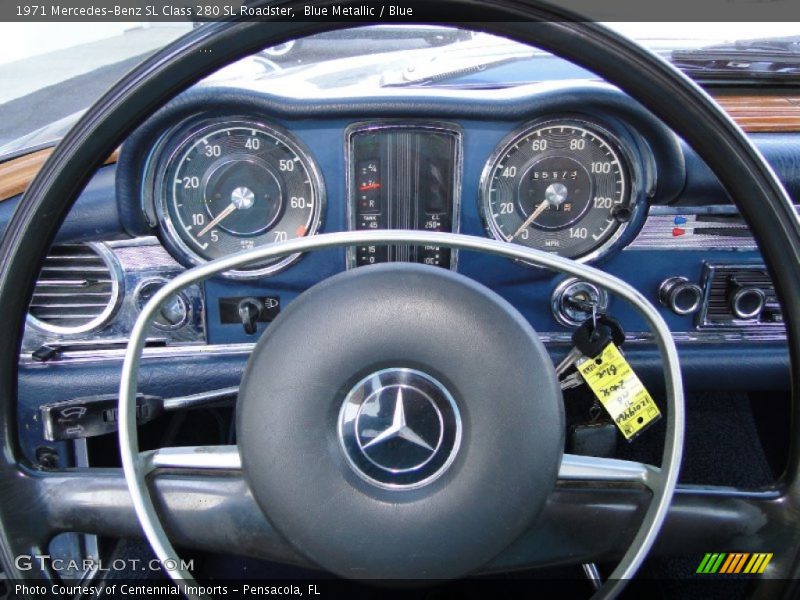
column 28, row 562
column 117, row 588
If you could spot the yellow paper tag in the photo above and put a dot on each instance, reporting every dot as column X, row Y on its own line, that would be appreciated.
column 620, row 391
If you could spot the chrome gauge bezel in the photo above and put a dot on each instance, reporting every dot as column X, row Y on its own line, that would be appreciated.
column 631, row 176
column 177, row 142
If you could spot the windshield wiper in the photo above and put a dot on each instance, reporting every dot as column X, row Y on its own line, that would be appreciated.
column 775, row 58
column 449, row 66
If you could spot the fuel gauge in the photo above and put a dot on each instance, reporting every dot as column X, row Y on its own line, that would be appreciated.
column 368, row 185
column 403, row 175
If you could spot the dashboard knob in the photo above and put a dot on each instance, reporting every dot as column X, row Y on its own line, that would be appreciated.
column 680, row 295
column 746, row 302
column 250, row 312
column 175, row 312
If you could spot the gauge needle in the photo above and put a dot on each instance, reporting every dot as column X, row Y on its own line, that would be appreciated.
column 228, row 210
column 539, row 210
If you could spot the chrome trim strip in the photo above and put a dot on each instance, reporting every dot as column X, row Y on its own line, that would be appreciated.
column 547, row 337
column 135, row 466
column 708, row 209
column 184, row 350
column 733, row 335
column 657, row 233
column 137, row 242
column 725, row 491
column 685, row 337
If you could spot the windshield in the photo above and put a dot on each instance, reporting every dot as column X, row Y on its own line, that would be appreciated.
column 53, row 71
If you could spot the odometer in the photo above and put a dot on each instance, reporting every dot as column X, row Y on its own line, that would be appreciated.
column 560, row 186
column 234, row 185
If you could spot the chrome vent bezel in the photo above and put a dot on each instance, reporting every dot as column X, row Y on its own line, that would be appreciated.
column 115, row 295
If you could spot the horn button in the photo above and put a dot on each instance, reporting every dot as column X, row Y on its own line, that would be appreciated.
column 400, row 421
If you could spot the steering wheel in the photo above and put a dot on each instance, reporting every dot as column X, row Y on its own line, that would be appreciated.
column 487, row 465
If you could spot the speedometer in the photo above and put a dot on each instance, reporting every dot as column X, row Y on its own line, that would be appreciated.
column 559, row 186
column 234, row 185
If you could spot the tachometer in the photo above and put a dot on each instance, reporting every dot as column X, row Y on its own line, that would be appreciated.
column 559, row 186
column 234, row 185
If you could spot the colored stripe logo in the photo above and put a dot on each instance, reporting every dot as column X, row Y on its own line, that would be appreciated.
column 734, row 562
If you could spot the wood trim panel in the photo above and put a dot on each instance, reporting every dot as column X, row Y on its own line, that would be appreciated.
column 16, row 174
column 763, row 114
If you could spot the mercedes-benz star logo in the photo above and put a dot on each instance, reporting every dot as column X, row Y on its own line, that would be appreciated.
column 399, row 428
column 394, row 445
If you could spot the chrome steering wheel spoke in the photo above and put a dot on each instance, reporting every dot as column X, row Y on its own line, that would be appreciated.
column 195, row 458
column 575, row 467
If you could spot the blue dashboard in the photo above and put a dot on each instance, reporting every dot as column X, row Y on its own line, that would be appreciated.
column 678, row 187
column 687, row 231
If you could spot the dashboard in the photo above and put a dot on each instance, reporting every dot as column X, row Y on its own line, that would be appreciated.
column 562, row 185
column 574, row 168
column 563, row 182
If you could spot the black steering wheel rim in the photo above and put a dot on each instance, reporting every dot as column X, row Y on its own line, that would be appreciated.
column 676, row 100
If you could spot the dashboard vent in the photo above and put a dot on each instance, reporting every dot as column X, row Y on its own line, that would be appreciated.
column 78, row 290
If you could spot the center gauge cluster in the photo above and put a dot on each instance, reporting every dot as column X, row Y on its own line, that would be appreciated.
column 403, row 176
